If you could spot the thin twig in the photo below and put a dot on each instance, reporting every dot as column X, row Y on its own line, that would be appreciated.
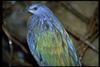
column 11, row 52
column 92, row 31
column 15, row 41
column 69, row 7
column 86, row 42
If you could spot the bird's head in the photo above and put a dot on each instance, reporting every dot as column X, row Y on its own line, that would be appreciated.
column 37, row 9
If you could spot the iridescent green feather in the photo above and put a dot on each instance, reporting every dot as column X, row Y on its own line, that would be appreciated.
column 51, row 46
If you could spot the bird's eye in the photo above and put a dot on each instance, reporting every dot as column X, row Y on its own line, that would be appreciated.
column 35, row 8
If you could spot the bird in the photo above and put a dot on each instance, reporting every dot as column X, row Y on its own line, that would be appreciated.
column 48, row 41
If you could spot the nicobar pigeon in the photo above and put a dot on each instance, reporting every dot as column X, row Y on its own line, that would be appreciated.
column 48, row 41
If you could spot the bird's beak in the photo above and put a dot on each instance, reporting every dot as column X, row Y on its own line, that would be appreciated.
column 27, row 12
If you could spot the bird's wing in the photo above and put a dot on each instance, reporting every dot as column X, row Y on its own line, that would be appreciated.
column 71, row 49
column 74, row 58
column 31, row 38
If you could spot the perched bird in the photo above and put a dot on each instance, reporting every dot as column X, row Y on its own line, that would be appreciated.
column 47, row 39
